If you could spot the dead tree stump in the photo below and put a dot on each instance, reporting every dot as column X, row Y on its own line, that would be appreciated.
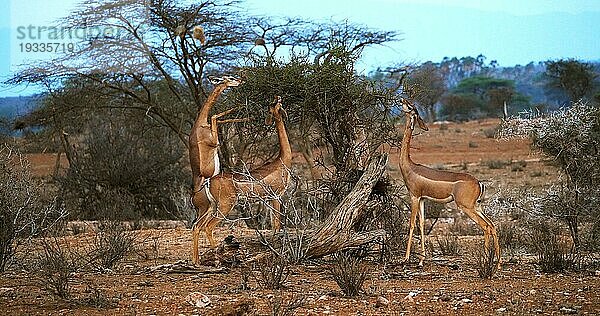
column 336, row 233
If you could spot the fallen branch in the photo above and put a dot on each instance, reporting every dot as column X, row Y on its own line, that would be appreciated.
column 337, row 233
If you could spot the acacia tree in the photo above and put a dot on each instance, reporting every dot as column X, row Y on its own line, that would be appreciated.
column 491, row 94
column 460, row 106
column 156, row 60
column 347, row 116
column 150, row 44
column 327, row 101
column 428, row 85
column 573, row 77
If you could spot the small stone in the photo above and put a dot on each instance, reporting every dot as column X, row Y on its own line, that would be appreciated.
column 567, row 310
column 466, row 300
column 410, row 296
column 322, row 297
column 198, row 299
column 445, row 298
column 597, row 273
column 501, row 310
column 382, row 302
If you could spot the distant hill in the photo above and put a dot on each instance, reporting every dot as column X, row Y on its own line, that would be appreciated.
column 13, row 107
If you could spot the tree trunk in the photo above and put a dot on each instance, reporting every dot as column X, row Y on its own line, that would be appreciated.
column 336, row 233
column 431, row 113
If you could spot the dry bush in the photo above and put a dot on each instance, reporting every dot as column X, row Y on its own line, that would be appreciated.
column 348, row 272
column 496, row 164
column 273, row 271
column 552, row 251
column 97, row 298
column 123, row 170
column 510, row 236
column 55, row 266
column 281, row 306
column 572, row 137
column 111, row 244
column 486, row 262
column 491, row 132
column 518, row 165
column 448, row 245
column 149, row 248
column 23, row 212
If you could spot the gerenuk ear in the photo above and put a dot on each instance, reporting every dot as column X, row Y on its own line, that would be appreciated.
column 215, row 80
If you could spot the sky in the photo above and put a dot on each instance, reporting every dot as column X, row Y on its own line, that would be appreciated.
column 511, row 31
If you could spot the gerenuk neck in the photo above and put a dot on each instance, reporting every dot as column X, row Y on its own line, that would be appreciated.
column 285, row 151
column 210, row 101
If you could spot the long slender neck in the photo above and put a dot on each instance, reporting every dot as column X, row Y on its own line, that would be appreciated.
column 405, row 160
column 210, row 101
column 285, row 151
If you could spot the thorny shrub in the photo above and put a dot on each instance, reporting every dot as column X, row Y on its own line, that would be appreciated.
column 553, row 253
column 510, row 236
column 273, row 271
column 23, row 213
column 122, row 170
column 486, row 261
column 112, row 244
column 56, row 264
column 282, row 306
column 348, row 272
column 448, row 245
column 571, row 136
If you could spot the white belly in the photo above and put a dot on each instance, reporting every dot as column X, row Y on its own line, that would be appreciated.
column 217, row 164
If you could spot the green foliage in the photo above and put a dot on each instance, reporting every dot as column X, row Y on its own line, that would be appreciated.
column 461, row 106
column 328, row 97
column 574, row 77
column 328, row 104
column 480, row 85
column 481, row 96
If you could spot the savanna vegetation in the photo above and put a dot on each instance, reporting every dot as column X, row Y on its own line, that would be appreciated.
column 117, row 114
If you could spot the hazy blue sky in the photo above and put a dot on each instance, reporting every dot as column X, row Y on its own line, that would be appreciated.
column 511, row 31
